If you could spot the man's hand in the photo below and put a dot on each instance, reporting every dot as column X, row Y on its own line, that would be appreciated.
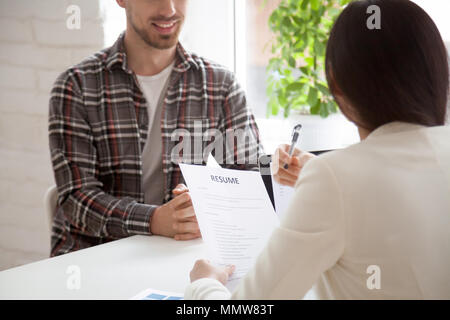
column 289, row 176
column 176, row 218
column 204, row 269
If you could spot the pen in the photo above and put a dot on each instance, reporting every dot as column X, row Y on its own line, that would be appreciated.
column 295, row 135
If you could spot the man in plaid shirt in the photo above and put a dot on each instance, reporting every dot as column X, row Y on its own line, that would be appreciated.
column 121, row 120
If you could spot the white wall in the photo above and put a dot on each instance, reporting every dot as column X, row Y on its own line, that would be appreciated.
column 35, row 46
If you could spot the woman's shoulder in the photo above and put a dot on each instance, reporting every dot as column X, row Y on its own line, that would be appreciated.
column 389, row 151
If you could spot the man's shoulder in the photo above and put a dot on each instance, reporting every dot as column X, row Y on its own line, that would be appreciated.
column 206, row 65
column 76, row 74
column 95, row 61
column 204, row 62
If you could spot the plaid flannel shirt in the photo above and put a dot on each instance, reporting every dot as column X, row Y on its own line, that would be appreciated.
column 98, row 125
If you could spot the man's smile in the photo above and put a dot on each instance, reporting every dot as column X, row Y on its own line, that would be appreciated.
column 165, row 27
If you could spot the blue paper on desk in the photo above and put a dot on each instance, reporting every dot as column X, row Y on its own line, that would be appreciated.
column 153, row 294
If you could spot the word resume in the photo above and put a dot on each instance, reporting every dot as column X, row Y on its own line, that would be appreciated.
column 234, row 214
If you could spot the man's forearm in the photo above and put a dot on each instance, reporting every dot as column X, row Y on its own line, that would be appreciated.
column 99, row 214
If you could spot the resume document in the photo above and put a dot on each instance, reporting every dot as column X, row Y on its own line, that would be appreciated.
column 234, row 214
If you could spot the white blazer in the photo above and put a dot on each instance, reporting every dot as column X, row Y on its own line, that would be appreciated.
column 374, row 214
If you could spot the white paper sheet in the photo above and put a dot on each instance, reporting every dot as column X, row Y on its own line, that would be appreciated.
column 282, row 196
column 234, row 213
column 212, row 162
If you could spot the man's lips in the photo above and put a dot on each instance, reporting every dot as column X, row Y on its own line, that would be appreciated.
column 165, row 27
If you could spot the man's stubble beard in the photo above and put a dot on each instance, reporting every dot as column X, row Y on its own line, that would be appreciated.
column 163, row 42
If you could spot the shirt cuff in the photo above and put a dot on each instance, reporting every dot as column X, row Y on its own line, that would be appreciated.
column 139, row 219
column 206, row 289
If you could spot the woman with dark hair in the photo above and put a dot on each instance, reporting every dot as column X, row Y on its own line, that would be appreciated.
column 370, row 221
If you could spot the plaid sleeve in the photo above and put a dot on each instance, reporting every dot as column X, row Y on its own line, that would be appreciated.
column 242, row 142
column 74, row 158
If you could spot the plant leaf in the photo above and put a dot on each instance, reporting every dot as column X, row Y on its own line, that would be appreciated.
column 295, row 86
column 315, row 109
column 315, row 4
column 312, row 96
column 292, row 62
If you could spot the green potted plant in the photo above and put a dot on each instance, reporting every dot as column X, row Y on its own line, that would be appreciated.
column 296, row 80
column 296, row 84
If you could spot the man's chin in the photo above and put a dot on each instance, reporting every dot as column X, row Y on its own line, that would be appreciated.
column 163, row 42
column 163, row 45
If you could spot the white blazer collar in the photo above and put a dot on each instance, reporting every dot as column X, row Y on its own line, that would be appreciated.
column 394, row 127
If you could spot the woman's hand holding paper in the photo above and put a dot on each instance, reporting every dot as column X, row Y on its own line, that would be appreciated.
column 204, row 269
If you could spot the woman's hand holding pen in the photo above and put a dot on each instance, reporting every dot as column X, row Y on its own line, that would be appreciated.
column 288, row 176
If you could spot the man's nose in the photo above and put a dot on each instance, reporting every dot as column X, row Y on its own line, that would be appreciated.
column 167, row 8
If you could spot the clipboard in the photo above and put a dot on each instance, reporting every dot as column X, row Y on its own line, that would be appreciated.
column 264, row 169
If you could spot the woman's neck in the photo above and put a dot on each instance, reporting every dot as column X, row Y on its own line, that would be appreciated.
column 363, row 133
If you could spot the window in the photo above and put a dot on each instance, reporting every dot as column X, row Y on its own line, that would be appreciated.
column 114, row 21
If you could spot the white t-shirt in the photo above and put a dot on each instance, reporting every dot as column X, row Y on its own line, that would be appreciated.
column 154, row 91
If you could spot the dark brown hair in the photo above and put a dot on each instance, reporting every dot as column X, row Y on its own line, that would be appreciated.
column 397, row 73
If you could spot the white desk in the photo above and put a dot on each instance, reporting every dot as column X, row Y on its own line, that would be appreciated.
column 115, row 270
